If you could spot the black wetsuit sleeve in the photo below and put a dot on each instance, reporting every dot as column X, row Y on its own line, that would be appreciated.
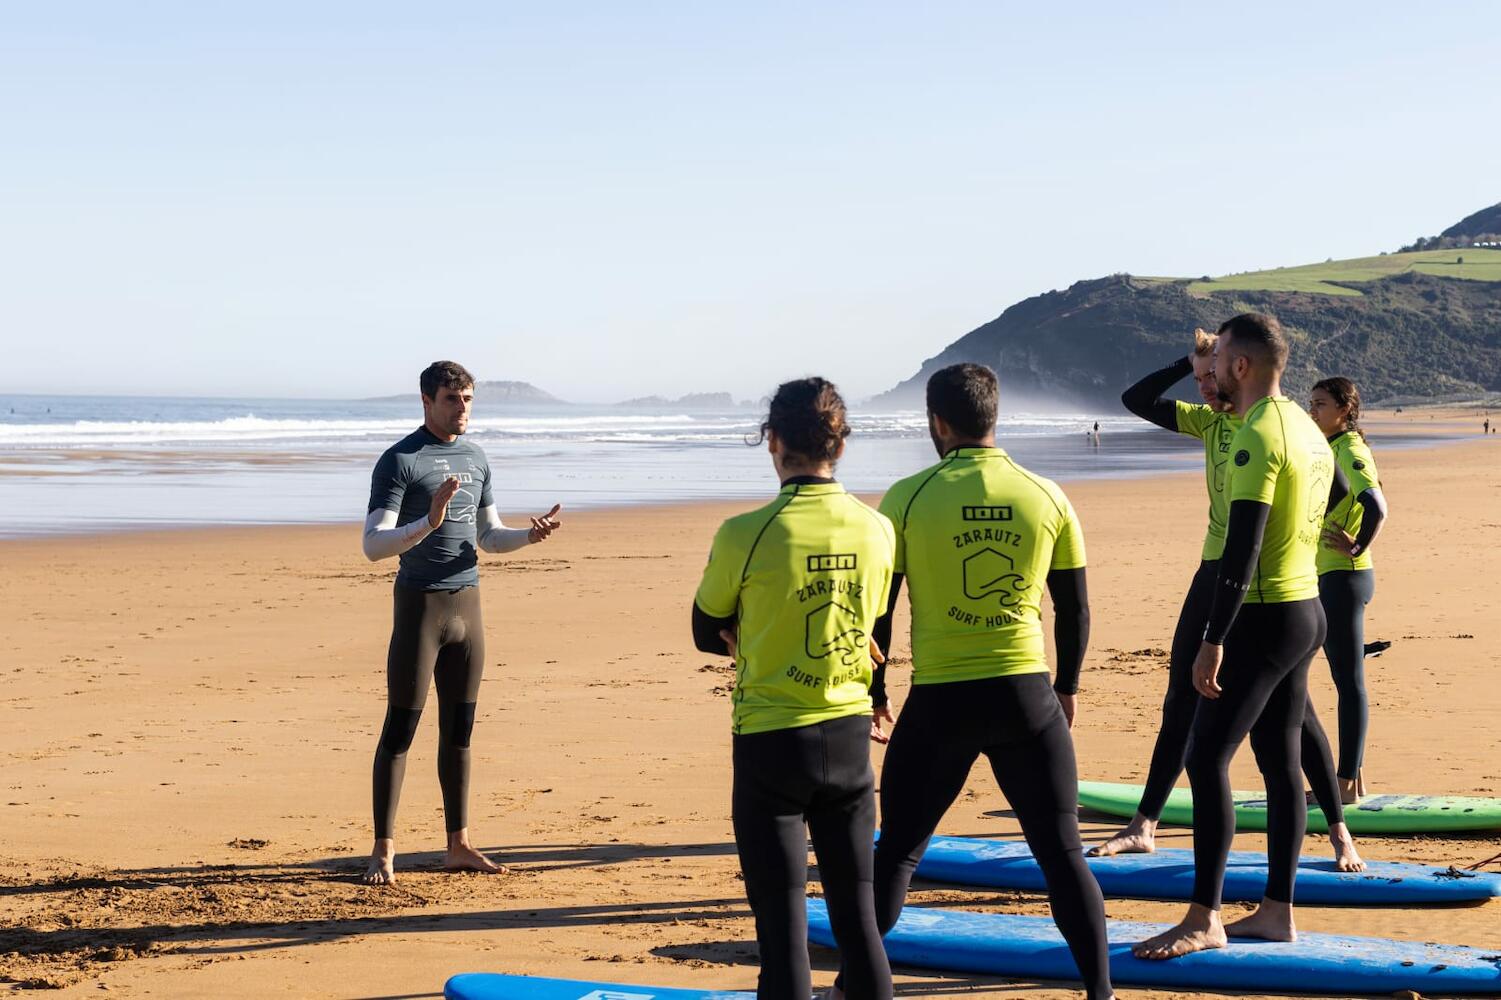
column 1145, row 398
column 881, row 633
column 1243, row 535
column 1339, row 489
column 1372, row 519
column 1070, row 625
column 706, row 631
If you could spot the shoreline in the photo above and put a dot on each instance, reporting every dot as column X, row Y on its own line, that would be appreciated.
column 1388, row 435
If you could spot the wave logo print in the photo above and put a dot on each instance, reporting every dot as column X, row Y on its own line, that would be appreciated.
column 989, row 572
column 615, row 995
column 464, row 507
column 831, row 629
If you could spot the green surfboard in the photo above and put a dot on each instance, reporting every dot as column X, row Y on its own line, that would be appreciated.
column 1373, row 814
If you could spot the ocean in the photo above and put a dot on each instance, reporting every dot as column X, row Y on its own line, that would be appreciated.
column 71, row 464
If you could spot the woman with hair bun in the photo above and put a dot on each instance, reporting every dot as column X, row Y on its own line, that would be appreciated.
column 792, row 592
column 1347, row 581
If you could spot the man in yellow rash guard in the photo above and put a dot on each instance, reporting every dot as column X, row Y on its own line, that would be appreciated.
column 793, row 591
column 1215, row 424
column 1264, row 627
column 1347, row 576
column 977, row 539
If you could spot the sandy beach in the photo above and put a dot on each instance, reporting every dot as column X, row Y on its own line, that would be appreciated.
column 189, row 718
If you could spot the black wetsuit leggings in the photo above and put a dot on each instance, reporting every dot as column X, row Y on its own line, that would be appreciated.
column 1018, row 724
column 1344, row 595
column 1264, row 690
column 436, row 635
column 1181, row 700
column 789, row 783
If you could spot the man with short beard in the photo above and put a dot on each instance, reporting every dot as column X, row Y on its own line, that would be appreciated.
column 1265, row 624
column 430, row 503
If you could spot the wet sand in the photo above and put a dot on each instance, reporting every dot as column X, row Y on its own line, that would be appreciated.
column 189, row 719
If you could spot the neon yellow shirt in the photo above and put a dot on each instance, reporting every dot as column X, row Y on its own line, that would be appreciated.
column 1278, row 457
column 1215, row 429
column 976, row 535
column 806, row 576
column 1354, row 456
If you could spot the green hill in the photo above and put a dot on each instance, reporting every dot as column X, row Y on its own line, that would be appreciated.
column 1344, row 277
column 1419, row 331
column 1419, row 323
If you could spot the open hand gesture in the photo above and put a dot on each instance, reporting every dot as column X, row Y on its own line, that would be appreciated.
column 545, row 525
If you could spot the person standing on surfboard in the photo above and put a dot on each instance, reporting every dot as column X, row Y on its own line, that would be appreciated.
column 1215, row 424
column 1347, row 579
column 1265, row 624
column 978, row 538
column 792, row 592
column 430, row 504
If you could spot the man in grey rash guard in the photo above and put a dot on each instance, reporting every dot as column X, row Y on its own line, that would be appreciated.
column 430, row 504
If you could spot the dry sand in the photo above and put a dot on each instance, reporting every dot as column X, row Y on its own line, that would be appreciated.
column 189, row 718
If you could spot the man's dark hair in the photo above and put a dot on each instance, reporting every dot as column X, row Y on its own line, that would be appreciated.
column 444, row 375
column 809, row 419
column 966, row 396
column 1258, row 335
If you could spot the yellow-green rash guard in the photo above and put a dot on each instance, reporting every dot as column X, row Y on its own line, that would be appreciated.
column 976, row 535
column 1279, row 458
column 1215, row 429
column 806, row 577
column 1354, row 456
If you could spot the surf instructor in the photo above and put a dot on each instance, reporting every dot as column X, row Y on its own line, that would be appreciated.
column 430, row 504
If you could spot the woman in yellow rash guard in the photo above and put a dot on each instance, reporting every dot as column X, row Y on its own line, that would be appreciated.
column 1347, row 579
column 792, row 591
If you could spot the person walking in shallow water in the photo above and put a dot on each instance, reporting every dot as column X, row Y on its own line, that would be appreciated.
column 430, row 504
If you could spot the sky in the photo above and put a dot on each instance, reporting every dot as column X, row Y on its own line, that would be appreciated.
column 617, row 199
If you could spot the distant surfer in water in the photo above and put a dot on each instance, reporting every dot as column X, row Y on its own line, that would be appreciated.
column 792, row 592
column 430, row 503
column 1213, row 422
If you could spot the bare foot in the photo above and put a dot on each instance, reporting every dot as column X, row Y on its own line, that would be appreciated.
column 462, row 857
column 382, row 870
column 1346, row 858
column 1200, row 930
column 1139, row 837
column 1272, row 921
column 1350, row 789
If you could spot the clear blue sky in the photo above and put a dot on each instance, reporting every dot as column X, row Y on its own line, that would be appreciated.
column 612, row 199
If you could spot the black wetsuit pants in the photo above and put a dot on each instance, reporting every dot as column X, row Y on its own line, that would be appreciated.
column 1181, row 700
column 790, row 783
column 436, row 635
column 1264, row 690
column 1344, row 595
column 1018, row 724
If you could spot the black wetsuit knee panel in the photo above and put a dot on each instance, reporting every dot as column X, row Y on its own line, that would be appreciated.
column 460, row 724
column 400, row 729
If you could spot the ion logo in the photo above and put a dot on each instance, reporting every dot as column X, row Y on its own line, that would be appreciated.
column 987, row 513
column 616, row 995
column 988, row 572
column 823, row 564
column 831, row 628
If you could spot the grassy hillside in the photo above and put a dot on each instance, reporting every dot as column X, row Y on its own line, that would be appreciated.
column 1479, row 265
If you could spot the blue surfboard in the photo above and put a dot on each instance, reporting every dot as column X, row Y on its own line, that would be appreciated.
column 493, row 986
column 1001, row 944
column 1169, row 874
